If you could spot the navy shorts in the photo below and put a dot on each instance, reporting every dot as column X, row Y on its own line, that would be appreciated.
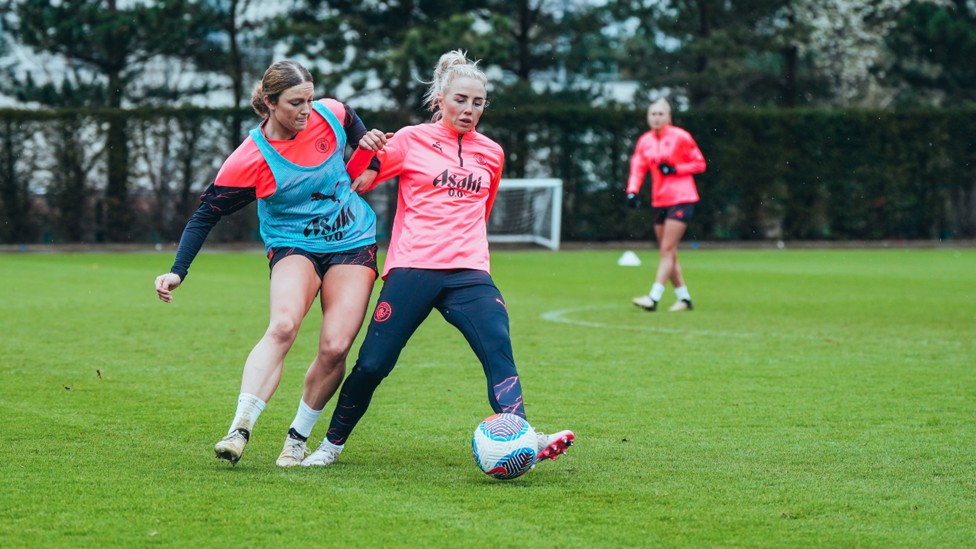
column 364, row 255
column 678, row 212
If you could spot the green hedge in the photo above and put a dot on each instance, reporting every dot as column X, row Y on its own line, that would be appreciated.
column 772, row 174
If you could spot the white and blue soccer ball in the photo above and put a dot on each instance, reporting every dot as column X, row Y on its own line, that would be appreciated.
column 504, row 446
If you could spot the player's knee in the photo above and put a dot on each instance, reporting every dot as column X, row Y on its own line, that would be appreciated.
column 283, row 330
column 494, row 330
column 333, row 350
column 372, row 370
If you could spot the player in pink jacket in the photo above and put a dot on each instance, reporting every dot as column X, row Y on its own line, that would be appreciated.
column 438, row 255
column 672, row 157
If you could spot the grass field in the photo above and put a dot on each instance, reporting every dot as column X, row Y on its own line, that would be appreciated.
column 813, row 398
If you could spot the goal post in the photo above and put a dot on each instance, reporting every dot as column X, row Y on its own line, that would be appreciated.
column 527, row 211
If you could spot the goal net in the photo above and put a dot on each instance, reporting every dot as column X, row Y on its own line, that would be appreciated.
column 527, row 210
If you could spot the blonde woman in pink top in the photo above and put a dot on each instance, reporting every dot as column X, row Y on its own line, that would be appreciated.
column 438, row 254
column 672, row 157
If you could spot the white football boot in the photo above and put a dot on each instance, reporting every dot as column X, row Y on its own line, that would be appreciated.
column 293, row 453
column 681, row 305
column 231, row 447
column 553, row 446
column 326, row 454
column 645, row 302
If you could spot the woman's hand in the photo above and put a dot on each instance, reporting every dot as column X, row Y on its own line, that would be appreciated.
column 365, row 182
column 165, row 284
column 374, row 140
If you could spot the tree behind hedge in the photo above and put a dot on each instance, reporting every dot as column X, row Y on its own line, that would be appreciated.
column 113, row 45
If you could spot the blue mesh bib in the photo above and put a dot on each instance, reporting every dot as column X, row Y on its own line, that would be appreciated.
column 313, row 208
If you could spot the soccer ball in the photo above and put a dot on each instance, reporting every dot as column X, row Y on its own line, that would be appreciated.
column 504, row 446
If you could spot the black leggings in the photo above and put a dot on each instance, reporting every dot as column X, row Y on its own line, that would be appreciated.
column 466, row 298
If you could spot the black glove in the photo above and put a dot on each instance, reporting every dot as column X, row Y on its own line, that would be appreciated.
column 632, row 201
column 666, row 169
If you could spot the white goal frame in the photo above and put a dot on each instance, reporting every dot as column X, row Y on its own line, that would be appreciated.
column 555, row 210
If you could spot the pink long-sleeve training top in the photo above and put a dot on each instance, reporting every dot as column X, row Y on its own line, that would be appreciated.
column 674, row 146
column 448, row 183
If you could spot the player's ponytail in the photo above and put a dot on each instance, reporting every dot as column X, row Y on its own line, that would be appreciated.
column 257, row 101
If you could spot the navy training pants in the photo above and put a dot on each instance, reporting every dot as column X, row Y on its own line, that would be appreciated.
column 466, row 298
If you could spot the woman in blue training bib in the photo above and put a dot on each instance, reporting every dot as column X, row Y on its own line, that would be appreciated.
column 319, row 236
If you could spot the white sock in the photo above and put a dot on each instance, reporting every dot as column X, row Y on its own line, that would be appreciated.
column 682, row 293
column 338, row 447
column 249, row 408
column 305, row 419
column 657, row 290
